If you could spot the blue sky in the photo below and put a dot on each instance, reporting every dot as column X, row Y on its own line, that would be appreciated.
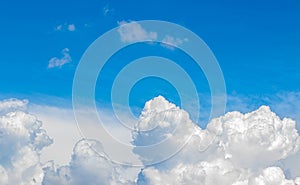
column 256, row 43
column 42, row 44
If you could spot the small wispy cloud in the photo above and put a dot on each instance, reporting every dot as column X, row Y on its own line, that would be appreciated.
column 59, row 27
column 134, row 32
column 106, row 10
column 65, row 27
column 59, row 62
column 171, row 42
column 71, row 27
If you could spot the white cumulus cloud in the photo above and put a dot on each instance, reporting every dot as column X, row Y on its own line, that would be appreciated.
column 21, row 141
column 89, row 165
column 256, row 148
column 59, row 62
column 240, row 149
column 12, row 105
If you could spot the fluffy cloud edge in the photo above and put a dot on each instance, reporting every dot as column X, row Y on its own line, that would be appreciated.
column 59, row 62
column 185, row 168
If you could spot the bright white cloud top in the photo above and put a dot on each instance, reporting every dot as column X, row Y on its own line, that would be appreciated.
column 21, row 140
column 234, row 149
column 238, row 149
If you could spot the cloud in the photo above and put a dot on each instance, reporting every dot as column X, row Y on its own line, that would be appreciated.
column 218, row 172
column 71, row 27
column 235, row 149
column 59, row 62
column 86, row 167
column 21, row 141
column 161, row 121
column 59, row 27
column 57, row 121
column 10, row 105
column 171, row 42
column 134, row 32
column 60, row 120
column 106, row 10
column 286, row 104
column 66, row 27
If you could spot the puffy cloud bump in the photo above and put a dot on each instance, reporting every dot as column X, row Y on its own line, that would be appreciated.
column 234, row 149
column 21, row 140
column 239, row 149
column 89, row 165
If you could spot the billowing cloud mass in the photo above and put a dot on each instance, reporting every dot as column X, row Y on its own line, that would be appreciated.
column 59, row 62
column 21, row 140
column 240, row 149
column 234, row 149
column 89, row 165
column 12, row 105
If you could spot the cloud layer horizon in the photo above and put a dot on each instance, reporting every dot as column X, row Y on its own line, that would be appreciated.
column 239, row 149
